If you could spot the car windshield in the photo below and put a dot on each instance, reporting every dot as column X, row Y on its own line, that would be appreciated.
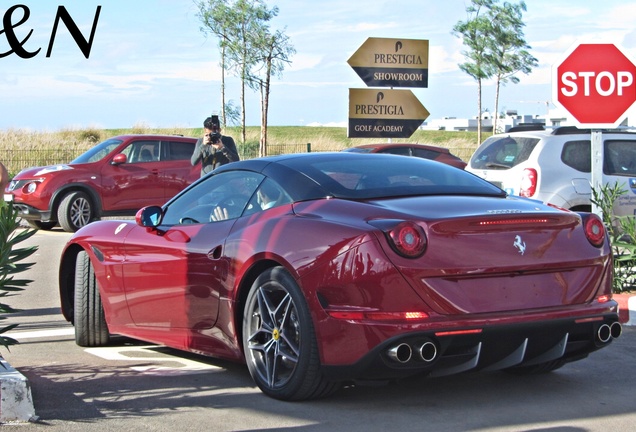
column 98, row 152
column 503, row 152
column 362, row 176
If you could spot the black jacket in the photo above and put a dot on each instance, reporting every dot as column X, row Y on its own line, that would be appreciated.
column 212, row 158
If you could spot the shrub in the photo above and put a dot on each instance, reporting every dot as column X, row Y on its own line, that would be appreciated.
column 11, row 263
column 90, row 135
column 622, row 235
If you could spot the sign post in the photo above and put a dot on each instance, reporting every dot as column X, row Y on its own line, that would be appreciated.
column 596, row 84
column 382, row 62
column 386, row 113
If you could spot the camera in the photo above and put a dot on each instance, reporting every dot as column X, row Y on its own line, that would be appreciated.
column 215, row 137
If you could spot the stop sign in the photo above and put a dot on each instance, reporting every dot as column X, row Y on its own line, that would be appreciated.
column 596, row 84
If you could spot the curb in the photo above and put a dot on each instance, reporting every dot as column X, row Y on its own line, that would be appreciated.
column 626, row 308
column 16, row 402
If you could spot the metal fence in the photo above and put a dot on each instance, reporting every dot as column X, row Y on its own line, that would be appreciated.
column 17, row 160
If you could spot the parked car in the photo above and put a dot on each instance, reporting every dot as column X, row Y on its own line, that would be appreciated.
column 116, row 177
column 439, row 154
column 320, row 269
column 554, row 166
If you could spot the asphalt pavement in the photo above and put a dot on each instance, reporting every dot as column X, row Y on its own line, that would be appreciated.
column 77, row 387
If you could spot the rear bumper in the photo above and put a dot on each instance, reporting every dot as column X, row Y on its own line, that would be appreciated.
column 447, row 351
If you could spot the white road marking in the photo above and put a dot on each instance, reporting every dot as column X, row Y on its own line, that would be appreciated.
column 155, row 363
column 147, row 355
column 20, row 335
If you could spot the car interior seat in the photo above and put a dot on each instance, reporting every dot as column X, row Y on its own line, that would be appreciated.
column 373, row 182
column 145, row 156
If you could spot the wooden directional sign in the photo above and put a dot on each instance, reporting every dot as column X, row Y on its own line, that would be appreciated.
column 375, row 113
column 382, row 62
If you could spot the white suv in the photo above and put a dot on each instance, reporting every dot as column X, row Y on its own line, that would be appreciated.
column 554, row 166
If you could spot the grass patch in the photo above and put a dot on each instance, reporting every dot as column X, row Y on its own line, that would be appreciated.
column 21, row 149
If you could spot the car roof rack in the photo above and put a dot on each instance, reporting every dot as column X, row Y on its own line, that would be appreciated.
column 570, row 130
column 521, row 127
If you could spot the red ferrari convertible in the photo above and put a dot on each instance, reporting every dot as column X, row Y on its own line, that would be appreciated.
column 327, row 268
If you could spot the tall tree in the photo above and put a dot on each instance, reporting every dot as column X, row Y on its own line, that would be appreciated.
column 274, row 52
column 240, row 25
column 214, row 16
column 249, row 25
column 476, row 32
column 508, row 49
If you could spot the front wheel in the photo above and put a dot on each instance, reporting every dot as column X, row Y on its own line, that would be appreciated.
column 279, row 341
column 91, row 329
column 75, row 211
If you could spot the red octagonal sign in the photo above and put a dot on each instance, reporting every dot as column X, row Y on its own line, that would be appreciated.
column 596, row 84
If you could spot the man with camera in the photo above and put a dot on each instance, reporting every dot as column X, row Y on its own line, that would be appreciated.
column 213, row 149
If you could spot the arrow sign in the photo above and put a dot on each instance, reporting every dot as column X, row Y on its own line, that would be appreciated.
column 377, row 113
column 383, row 62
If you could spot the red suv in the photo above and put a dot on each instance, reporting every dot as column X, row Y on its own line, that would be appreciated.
column 115, row 178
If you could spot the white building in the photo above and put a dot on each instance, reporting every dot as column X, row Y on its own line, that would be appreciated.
column 554, row 117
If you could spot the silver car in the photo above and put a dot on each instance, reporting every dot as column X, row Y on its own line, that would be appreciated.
column 554, row 166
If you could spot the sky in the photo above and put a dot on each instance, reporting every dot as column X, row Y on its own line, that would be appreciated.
column 151, row 65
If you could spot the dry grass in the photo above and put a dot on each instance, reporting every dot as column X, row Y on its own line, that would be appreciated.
column 63, row 144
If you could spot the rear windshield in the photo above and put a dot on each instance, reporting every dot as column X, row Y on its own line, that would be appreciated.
column 375, row 176
column 503, row 152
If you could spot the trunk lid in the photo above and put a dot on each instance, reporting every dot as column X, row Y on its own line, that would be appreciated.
column 492, row 255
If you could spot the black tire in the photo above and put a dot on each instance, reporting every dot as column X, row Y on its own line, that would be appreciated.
column 75, row 211
column 279, row 340
column 537, row 369
column 91, row 329
column 41, row 225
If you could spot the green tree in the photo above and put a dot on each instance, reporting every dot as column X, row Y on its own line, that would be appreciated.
column 274, row 52
column 508, row 51
column 249, row 51
column 476, row 34
column 249, row 20
column 214, row 17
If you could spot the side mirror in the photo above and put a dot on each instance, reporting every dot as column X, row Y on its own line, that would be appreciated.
column 149, row 217
column 119, row 159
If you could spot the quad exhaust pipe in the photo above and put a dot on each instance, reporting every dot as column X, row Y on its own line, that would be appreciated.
column 403, row 353
column 609, row 331
column 428, row 351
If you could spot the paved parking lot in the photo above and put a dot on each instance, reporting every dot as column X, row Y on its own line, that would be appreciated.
column 136, row 386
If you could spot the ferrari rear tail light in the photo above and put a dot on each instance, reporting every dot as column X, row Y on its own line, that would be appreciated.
column 408, row 239
column 603, row 298
column 405, row 237
column 529, row 179
column 594, row 229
